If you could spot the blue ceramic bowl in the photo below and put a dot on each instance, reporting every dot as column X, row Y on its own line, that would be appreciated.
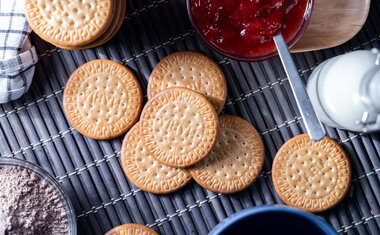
column 270, row 220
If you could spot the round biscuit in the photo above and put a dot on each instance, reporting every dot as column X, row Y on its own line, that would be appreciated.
column 191, row 70
column 118, row 22
column 102, row 99
column 69, row 23
column 114, row 27
column 236, row 160
column 179, row 127
column 147, row 173
column 311, row 175
column 131, row 229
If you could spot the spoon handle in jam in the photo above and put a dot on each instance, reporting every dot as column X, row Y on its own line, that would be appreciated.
column 313, row 126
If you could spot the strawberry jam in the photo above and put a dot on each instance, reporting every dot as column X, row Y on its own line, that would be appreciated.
column 245, row 28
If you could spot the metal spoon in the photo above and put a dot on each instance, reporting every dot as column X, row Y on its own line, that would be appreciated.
column 313, row 126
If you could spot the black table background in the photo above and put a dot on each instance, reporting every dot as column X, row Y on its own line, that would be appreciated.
column 35, row 128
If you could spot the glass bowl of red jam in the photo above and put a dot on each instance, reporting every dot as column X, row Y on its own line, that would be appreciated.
column 244, row 29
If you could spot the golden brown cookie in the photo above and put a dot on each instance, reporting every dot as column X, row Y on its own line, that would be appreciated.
column 111, row 31
column 131, row 229
column 147, row 173
column 311, row 175
column 102, row 99
column 115, row 27
column 69, row 23
column 190, row 70
column 179, row 127
column 236, row 160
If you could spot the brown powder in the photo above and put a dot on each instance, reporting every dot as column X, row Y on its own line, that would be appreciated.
column 29, row 204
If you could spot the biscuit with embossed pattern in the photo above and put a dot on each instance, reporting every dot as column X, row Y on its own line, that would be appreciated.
column 131, row 229
column 190, row 70
column 102, row 99
column 69, row 23
column 179, row 127
column 311, row 175
column 113, row 28
column 147, row 173
column 235, row 162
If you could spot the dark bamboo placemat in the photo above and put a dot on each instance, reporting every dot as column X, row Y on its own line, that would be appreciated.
column 35, row 128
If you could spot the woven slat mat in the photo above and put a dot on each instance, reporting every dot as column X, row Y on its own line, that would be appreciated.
column 35, row 128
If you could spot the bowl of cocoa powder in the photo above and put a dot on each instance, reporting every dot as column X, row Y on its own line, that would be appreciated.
column 32, row 201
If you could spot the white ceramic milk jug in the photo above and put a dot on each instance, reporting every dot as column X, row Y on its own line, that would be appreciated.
column 345, row 91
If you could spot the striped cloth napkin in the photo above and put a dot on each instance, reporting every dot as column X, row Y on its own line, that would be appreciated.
column 17, row 55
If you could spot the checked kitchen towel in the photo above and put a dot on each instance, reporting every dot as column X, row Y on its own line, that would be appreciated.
column 17, row 55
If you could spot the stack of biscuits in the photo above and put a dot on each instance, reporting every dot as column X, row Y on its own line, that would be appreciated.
column 75, row 25
column 180, row 135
